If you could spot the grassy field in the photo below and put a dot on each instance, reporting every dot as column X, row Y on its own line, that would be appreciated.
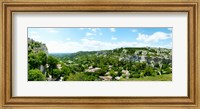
column 164, row 77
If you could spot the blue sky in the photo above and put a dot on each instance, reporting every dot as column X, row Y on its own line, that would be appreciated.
column 70, row 40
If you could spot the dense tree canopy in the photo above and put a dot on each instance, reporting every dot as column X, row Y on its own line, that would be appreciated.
column 35, row 75
column 118, row 64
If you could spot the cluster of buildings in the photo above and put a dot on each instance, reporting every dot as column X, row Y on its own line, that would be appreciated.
column 149, row 57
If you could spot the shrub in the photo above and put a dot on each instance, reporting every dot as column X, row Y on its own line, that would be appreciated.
column 113, row 74
column 168, row 70
column 136, row 75
column 35, row 75
column 80, row 77
column 56, row 73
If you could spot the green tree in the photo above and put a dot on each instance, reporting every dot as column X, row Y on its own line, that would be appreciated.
column 35, row 75
column 34, row 61
column 42, row 56
column 168, row 70
column 103, row 70
column 113, row 74
column 65, row 70
column 136, row 75
column 56, row 73
column 77, row 77
column 164, row 66
column 156, row 65
column 149, row 71
column 52, row 63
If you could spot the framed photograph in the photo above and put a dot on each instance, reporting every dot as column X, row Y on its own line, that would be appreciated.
column 89, row 54
column 80, row 54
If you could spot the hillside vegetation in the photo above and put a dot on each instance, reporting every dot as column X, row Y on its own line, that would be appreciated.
column 121, row 64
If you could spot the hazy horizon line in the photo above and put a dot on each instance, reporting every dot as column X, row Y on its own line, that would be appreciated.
column 103, row 50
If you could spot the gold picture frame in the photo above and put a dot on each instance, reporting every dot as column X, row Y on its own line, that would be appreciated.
column 10, row 6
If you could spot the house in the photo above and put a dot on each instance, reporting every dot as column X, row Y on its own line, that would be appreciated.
column 91, row 69
column 106, row 78
column 126, row 73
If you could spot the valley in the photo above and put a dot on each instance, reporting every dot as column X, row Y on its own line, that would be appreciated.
column 120, row 64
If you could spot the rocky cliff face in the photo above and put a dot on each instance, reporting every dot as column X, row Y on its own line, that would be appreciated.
column 35, row 46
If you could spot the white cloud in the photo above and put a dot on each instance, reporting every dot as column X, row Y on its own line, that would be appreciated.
column 93, row 45
column 134, row 30
column 91, row 29
column 86, row 45
column 157, row 36
column 33, row 35
column 100, row 33
column 85, row 28
column 112, row 29
column 62, row 47
column 82, row 28
column 170, row 29
column 114, row 38
column 168, row 45
column 94, row 29
column 50, row 30
column 90, row 34
column 32, row 32
column 68, row 39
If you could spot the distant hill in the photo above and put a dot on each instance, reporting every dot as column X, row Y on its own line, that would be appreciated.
column 118, row 64
column 146, row 54
column 126, row 63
